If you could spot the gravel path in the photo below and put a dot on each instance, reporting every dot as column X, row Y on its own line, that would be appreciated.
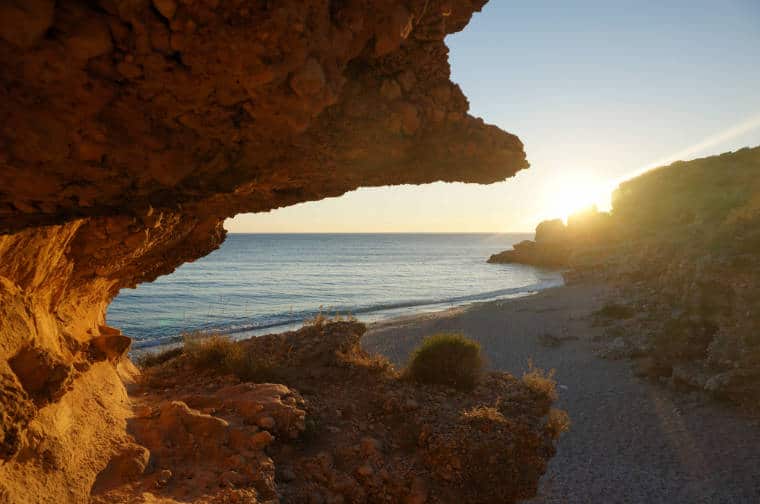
column 631, row 441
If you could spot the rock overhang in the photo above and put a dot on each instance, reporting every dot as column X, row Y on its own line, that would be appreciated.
column 130, row 129
column 215, row 108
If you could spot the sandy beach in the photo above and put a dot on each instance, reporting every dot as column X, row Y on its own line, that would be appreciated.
column 631, row 440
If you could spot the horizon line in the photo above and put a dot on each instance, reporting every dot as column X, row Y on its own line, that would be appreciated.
column 376, row 232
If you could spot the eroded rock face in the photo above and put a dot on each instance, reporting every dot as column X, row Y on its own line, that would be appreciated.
column 120, row 107
column 345, row 427
column 129, row 130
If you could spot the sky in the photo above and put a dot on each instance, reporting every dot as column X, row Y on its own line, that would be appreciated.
column 598, row 91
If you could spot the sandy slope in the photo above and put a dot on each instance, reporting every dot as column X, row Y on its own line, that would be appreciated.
column 631, row 440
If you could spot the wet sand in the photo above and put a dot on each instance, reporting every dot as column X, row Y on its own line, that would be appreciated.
column 631, row 441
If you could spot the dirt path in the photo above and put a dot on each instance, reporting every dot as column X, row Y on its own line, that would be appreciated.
column 631, row 441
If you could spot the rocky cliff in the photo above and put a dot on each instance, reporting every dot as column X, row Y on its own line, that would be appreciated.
column 560, row 245
column 682, row 245
column 130, row 129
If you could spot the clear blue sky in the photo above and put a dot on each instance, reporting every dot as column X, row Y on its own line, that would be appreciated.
column 597, row 91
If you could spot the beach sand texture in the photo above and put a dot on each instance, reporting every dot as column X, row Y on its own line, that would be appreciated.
column 631, row 440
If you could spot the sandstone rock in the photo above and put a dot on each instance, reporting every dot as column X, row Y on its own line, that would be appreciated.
column 177, row 420
column 266, row 405
column 167, row 8
column 125, row 466
column 392, row 31
column 370, row 446
column 163, row 477
column 365, row 471
column 15, row 415
column 231, row 479
column 411, row 404
column 418, row 493
column 408, row 117
column 144, row 411
column 44, row 377
column 266, row 422
column 261, row 440
column 24, row 22
column 91, row 38
column 111, row 346
column 390, row 90
column 241, row 112
column 309, row 79
column 129, row 70
column 287, row 474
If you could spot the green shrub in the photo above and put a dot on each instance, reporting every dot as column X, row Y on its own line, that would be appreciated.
column 447, row 359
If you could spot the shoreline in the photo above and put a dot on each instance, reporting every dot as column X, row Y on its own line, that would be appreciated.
column 631, row 439
column 416, row 318
column 381, row 321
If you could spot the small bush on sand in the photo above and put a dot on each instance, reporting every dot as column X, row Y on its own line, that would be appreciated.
column 447, row 359
column 148, row 360
column 540, row 381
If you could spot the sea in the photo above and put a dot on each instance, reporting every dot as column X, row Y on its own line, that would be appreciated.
column 263, row 283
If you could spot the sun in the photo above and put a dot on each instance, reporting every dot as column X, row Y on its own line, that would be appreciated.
column 576, row 192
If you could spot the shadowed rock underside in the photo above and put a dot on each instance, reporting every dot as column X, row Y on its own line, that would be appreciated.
column 129, row 130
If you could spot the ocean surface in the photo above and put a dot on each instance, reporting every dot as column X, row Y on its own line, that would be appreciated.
column 260, row 283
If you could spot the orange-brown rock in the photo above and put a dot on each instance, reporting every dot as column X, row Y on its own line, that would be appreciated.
column 129, row 130
column 356, row 432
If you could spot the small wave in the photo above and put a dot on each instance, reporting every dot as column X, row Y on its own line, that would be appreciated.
column 238, row 325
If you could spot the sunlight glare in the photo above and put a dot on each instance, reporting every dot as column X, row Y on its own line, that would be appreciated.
column 576, row 192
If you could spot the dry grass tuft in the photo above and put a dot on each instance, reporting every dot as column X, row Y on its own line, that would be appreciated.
column 223, row 355
column 149, row 360
column 320, row 319
column 372, row 362
column 541, row 382
column 213, row 351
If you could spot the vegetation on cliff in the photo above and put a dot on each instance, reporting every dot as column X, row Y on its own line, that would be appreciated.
column 344, row 426
column 682, row 242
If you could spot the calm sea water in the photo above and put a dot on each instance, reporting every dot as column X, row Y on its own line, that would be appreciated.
column 257, row 283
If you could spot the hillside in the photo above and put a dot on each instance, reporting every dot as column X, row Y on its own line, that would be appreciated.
column 681, row 243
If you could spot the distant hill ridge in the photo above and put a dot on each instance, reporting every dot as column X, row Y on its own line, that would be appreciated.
column 682, row 242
